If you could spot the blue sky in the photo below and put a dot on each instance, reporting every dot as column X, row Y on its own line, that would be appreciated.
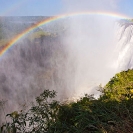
column 56, row 7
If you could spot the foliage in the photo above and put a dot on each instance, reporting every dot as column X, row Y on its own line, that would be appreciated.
column 120, row 87
column 89, row 115
column 37, row 119
column 108, row 114
column 38, row 34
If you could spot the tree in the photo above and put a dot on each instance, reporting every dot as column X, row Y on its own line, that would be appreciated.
column 37, row 119
column 120, row 87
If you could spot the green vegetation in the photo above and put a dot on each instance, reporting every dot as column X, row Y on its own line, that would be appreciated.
column 38, row 34
column 112, row 112
column 120, row 87
column 32, row 36
column 9, row 28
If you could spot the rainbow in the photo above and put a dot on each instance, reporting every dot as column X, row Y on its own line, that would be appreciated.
column 51, row 19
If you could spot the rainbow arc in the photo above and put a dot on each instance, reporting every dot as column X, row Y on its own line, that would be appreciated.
column 55, row 18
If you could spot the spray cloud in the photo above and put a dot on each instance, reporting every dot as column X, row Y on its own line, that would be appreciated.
column 73, row 63
column 90, row 42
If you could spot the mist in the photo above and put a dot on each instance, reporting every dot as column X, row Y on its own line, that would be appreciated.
column 73, row 63
column 91, row 42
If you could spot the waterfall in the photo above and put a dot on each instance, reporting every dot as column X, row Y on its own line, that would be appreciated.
column 72, row 63
column 124, row 47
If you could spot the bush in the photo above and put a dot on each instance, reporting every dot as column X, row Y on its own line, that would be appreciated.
column 37, row 119
column 111, row 113
column 120, row 87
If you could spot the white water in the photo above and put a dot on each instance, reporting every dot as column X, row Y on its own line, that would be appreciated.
column 124, row 49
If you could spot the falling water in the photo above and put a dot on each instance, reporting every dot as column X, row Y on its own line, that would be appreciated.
column 73, row 62
column 124, row 48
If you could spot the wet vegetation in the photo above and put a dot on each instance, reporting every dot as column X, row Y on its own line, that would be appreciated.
column 112, row 112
